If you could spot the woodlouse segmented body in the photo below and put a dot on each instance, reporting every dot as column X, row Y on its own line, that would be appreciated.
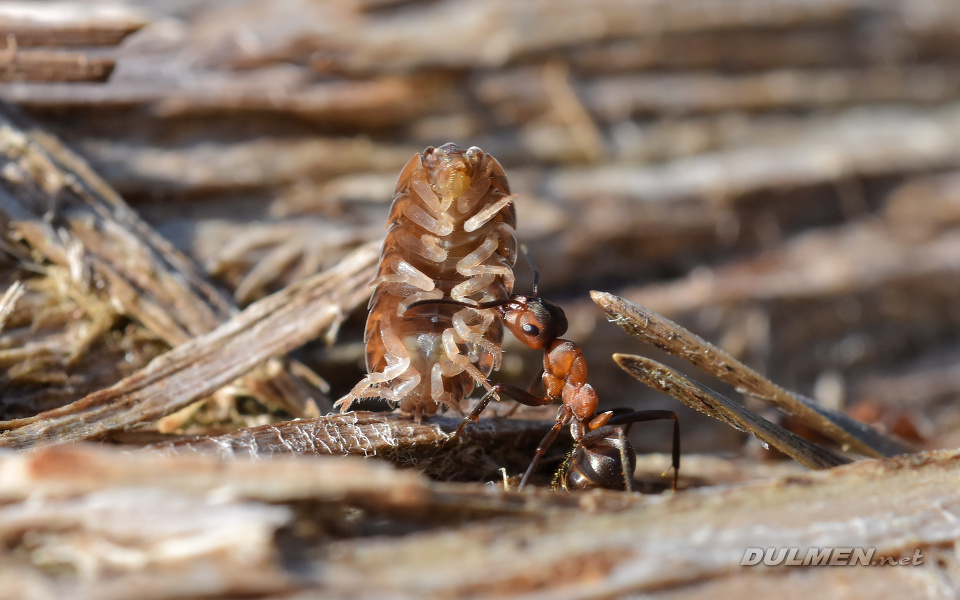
column 449, row 235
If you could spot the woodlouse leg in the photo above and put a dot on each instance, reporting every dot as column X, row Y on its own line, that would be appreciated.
column 453, row 353
column 430, row 198
column 437, row 393
column 483, row 217
column 462, row 291
column 367, row 388
column 478, row 190
column 475, row 334
column 442, row 225
column 398, row 362
column 404, row 272
column 427, row 246
column 472, row 264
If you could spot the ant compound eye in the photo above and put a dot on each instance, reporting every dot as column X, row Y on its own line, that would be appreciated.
column 530, row 329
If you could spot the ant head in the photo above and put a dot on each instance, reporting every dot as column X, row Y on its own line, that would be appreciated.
column 533, row 320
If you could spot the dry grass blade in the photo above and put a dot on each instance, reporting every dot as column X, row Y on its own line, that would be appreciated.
column 715, row 405
column 267, row 329
column 652, row 328
column 9, row 301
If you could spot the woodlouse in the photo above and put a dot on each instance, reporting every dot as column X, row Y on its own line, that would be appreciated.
column 449, row 236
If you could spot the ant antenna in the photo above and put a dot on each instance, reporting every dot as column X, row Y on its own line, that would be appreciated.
column 536, row 272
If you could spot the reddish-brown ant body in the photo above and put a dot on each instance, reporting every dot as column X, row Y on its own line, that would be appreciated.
column 602, row 456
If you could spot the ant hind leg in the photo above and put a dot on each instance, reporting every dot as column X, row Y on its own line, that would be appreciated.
column 655, row 415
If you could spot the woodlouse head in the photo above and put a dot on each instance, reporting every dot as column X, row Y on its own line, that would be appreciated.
column 451, row 169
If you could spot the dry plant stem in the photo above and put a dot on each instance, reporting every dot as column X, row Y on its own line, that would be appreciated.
column 714, row 405
column 9, row 301
column 673, row 339
column 267, row 329
column 53, row 201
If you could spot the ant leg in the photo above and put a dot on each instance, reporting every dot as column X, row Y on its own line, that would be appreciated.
column 529, row 389
column 521, row 396
column 656, row 415
column 625, row 462
column 475, row 413
column 562, row 419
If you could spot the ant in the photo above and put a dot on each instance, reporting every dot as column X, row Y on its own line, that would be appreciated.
column 600, row 438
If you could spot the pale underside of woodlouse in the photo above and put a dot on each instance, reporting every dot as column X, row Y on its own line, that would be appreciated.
column 449, row 235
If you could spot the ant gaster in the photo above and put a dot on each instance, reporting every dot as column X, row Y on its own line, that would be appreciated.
column 602, row 456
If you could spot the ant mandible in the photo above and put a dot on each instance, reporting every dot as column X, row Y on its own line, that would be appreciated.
column 600, row 439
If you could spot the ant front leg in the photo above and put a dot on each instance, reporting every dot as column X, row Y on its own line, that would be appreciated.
column 563, row 418
column 521, row 396
column 528, row 399
column 655, row 415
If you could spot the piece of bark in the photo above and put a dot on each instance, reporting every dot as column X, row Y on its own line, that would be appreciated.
column 673, row 339
column 860, row 258
column 477, row 454
column 63, row 24
column 267, row 329
column 239, row 166
column 695, row 538
column 42, row 65
column 58, row 502
column 373, row 104
column 859, row 142
column 520, row 94
column 496, row 33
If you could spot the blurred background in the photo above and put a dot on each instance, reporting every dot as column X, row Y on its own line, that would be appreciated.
column 778, row 176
